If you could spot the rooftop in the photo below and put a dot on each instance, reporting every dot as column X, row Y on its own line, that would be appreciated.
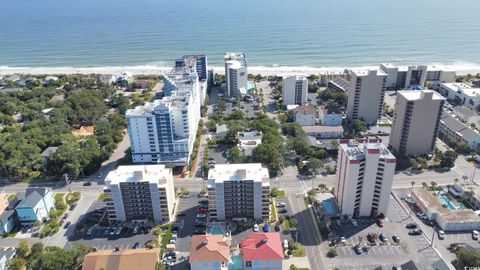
column 157, row 174
column 355, row 149
column 430, row 201
column 330, row 110
column 305, row 110
column 322, row 129
column 31, row 200
column 340, row 82
column 412, row 95
column 458, row 127
column 178, row 100
column 122, row 260
column 209, row 248
column 247, row 136
column 232, row 172
column 262, row 246
column 375, row 72
column 462, row 88
column 49, row 151
column 464, row 112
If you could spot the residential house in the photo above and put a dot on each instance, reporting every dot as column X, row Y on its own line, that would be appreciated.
column 221, row 131
column 124, row 80
column 209, row 252
column 338, row 85
column 305, row 115
column 6, row 254
column 262, row 251
column 324, row 132
column 37, row 205
column 142, row 258
column 108, row 79
column 247, row 141
column 330, row 116
column 48, row 152
column 7, row 215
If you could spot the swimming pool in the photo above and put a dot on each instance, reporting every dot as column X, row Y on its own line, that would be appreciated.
column 237, row 262
column 451, row 203
column 329, row 207
column 216, row 230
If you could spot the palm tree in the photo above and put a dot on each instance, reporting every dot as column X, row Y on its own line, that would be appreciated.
column 322, row 187
column 424, row 185
column 413, row 183
column 433, row 184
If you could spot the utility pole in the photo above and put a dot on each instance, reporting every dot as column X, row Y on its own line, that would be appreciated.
column 68, row 183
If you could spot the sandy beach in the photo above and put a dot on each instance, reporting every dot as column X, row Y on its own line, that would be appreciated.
column 158, row 70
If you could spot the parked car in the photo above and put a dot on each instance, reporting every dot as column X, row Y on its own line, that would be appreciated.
column 199, row 231
column 396, row 239
column 475, row 235
column 255, row 228
column 357, row 250
column 118, row 231
column 135, row 230
column 67, row 224
column 441, row 234
column 415, row 232
column 203, row 202
column 266, row 228
column 354, row 223
column 136, row 245
column 65, row 216
column 411, row 226
column 88, row 183
column 282, row 204
column 343, row 240
column 283, row 211
column 285, row 244
column 200, row 215
column 112, row 231
column 277, row 228
column 73, row 206
column 383, row 237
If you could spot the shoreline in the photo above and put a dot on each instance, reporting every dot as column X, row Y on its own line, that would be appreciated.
column 254, row 70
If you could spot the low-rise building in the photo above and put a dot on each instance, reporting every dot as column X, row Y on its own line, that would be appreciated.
column 472, row 197
column 239, row 191
column 8, row 216
column 324, row 132
column 248, row 140
column 453, row 128
column 467, row 115
column 142, row 258
column 330, row 116
column 221, row 131
column 446, row 218
column 36, row 205
column 326, row 77
column 459, row 93
column 209, row 252
column 262, row 251
column 305, row 115
column 338, row 85
column 140, row 193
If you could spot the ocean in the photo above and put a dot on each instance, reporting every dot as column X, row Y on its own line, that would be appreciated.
column 303, row 33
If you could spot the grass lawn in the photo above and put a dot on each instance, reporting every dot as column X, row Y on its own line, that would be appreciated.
column 281, row 193
column 298, row 250
column 11, row 197
column 101, row 197
column 273, row 209
column 286, row 224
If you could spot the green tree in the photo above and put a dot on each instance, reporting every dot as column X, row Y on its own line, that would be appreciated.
column 17, row 263
column 236, row 156
column 23, row 249
column 359, row 126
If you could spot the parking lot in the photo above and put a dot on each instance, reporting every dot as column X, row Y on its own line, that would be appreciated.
column 375, row 251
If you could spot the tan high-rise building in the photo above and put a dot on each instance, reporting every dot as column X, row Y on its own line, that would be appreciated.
column 364, row 177
column 415, row 122
column 365, row 95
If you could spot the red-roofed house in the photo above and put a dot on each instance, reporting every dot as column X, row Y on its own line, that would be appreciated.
column 262, row 251
column 209, row 252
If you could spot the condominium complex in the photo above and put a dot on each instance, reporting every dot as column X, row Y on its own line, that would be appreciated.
column 454, row 129
column 460, row 93
column 364, row 177
column 163, row 131
column 410, row 76
column 236, row 74
column 415, row 122
column 140, row 193
column 326, row 77
column 294, row 90
column 366, row 94
column 239, row 191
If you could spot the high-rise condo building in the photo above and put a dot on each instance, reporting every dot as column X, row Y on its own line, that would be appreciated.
column 294, row 90
column 239, row 191
column 163, row 131
column 236, row 74
column 415, row 122
column 140, row 193
column 365, row 95
column 364, row 177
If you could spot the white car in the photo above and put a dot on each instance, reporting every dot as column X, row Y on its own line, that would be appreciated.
column 441, row 234
column 119, row 230
column 282, row 204
column 475, row 235
column 135, row 230
column 285, row 244
column 354, row 223
column 255, row 228
column 342, row 240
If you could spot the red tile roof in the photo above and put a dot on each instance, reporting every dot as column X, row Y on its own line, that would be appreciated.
column 262, row 247
column 209, row 248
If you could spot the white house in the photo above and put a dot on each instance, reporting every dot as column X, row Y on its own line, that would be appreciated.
column 324, row 132
column 330, row 116
column 305, row 115
column 247, row 141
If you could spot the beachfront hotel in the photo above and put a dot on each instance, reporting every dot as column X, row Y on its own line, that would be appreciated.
column 365, row 95
column 415, row 122
column 163, row 131
column 239, row 191
column 364, row 177
column 294, row 90
column 140, row 193
column 236, row 74
column 412, row 76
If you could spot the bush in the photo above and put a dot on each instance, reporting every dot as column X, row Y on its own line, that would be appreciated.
column 73, row 197
column 332, row 252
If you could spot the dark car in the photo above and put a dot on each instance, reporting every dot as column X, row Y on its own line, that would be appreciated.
column 199, row 231
column 283, row 211
column 73, row 206
column 333, row 242
column 411, row 226
column 277, row 228
column 87, row 184
column 136, row 245
column 396, row 239
column 203, row 202
column 415, row 232
column 67, row 224
column 182, row 214
column 65, row 216
column 357, row 250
